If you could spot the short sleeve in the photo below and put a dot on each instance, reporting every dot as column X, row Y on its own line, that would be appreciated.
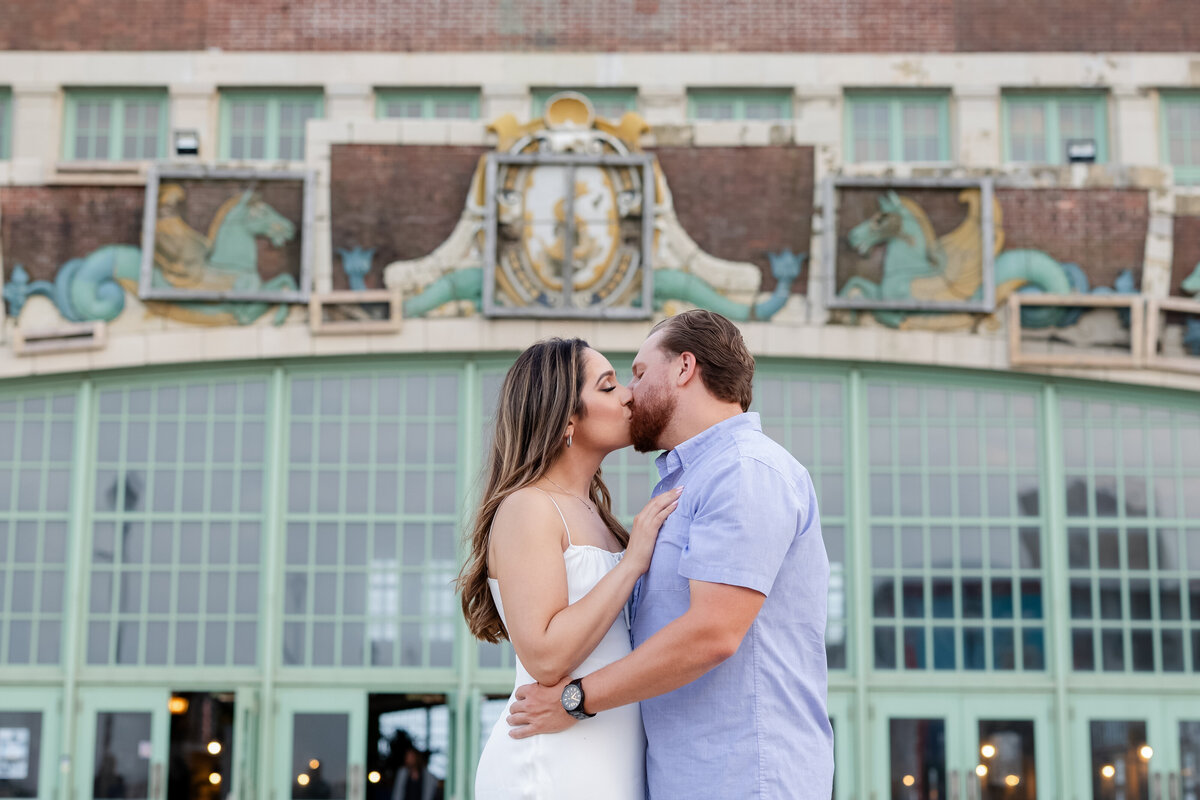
column 742, row 529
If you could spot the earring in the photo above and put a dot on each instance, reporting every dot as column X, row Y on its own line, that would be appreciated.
column 568, row 440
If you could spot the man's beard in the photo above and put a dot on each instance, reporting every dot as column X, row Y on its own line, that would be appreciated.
column 649, row 418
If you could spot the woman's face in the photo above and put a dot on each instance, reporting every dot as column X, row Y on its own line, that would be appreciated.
column 605, row 423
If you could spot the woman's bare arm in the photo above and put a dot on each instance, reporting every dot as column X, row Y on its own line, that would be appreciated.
column 551, row 636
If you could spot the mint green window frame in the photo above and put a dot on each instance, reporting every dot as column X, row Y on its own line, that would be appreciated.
column 115, row 124
column 266, row 125
column 5, row 123
column 610, row 103
column 1180, row 134
column 427, row 103
column 1131, row 495
column 1062, row 116
column 37, row 448
column 761, row 105
column 897, row 126
column 956, row 527
column 371, row 513
column 177, row 524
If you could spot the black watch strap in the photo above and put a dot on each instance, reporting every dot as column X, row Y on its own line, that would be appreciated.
column 572, row 700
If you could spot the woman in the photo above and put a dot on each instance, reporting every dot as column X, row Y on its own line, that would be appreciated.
column 546, row 570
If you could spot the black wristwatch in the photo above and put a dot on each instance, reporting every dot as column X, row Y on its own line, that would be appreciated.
column 572, row 699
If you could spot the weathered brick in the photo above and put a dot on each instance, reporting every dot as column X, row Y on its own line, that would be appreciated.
column 872, row 26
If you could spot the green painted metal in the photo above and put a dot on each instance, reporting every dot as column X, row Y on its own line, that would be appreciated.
column 904, row 125
column 1179, row 130
column 427, row 103
column 114, row 124
column 1036, row 125
column 83, row 450
column 144, row 702
column 1060, row 655
column 765, row 105
column 266, row 125
column 344, row 718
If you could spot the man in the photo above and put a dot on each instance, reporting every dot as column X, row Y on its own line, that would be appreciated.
column 728, row 623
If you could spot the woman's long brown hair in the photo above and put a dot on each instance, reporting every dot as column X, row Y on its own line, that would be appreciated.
column 541, row 391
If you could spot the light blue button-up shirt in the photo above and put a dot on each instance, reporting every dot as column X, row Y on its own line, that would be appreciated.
column 757, row 725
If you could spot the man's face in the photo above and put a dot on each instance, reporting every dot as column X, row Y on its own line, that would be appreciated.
column 653, row 397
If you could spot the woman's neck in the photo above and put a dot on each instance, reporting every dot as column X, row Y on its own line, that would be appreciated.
column 574, row 472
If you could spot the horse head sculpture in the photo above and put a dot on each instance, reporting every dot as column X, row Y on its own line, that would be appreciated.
column 893, row 221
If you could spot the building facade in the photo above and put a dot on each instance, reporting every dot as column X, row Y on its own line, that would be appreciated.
column 265, row 265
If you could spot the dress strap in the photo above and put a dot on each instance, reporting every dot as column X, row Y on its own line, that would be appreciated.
column 560, row 514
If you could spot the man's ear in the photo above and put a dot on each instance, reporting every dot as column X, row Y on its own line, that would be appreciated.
column 687, row 369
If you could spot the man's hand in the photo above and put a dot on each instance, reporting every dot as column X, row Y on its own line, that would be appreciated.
column 538, row 709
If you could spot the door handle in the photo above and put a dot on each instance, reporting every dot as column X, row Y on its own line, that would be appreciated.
column 155, row 781
column 954, row 784
column 355, row 792
column 972, row 780
column 1173, row 785
column 1156, row 786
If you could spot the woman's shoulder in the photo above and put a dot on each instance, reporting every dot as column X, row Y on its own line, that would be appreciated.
column 527, row 508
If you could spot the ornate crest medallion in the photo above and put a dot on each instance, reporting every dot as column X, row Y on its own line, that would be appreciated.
column 566, row 207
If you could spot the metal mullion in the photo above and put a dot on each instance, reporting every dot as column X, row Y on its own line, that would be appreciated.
column 426, row 649
column 1014, row 544
column 568, row 278
column 343, row 482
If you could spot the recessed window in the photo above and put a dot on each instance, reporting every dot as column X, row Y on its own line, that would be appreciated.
column 1181, row 134
column 115, row 125
column 1040, row 126
column 5, row 123
column 267, row 125
column 714, row 105
column 425, row 103
column 610, row 103
column 897, row 126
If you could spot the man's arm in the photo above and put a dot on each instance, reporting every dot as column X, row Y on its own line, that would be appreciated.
column 708, row 633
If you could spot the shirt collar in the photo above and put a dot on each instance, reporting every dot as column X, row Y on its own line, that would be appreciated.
column 687, row 452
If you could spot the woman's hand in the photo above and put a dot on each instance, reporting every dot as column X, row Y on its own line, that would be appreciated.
column 645, row 528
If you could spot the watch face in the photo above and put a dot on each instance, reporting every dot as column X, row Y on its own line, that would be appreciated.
column 571, row 697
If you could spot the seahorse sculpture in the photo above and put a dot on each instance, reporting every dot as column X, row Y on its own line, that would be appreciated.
column 669, row 284
column 93, row 287
column 919, row 265
column 1191, row 334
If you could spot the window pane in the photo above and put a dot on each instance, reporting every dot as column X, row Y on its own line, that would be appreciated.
column 1027, row 130
column 921, row 135
column 871, row 131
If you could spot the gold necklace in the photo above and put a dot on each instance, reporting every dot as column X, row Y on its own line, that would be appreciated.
column 577, row 497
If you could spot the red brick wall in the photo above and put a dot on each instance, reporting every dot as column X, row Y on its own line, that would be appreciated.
column 740, row 203
column 43, row 227
column 401, row 200
column 1187, row 251
column 1101, row 230
column 621, row 25
column 736, row 202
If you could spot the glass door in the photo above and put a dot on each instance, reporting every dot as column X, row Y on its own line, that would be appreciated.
column 911, row 742
column 1175, row 763
column 122, row 744
column 1114, row 739
column 962, row 747
column 320, row 744
column 29, row 742
column 1009, row 748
